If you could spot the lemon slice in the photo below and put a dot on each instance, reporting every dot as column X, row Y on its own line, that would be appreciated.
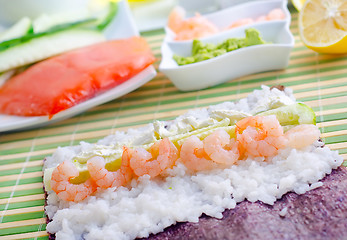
column 298, row 4
column 323, row 25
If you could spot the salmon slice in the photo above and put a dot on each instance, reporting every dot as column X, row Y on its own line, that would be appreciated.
column 63, row 81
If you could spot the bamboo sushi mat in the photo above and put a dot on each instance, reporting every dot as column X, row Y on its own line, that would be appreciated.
column 318, row 80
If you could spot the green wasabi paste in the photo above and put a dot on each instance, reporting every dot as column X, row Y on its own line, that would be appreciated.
column 201, row 51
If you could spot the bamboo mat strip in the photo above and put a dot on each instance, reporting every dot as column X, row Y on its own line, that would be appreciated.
column 332, row 123
column 23, row 176
column 337, row 146
column 23, row 223
column 23, row 199
column 318, row 80
column 31, row 235
column 21, row 165
column 23, row 210
column 21, row 187
column 335, row 133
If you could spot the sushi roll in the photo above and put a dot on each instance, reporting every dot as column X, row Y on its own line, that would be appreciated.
column 255, row 168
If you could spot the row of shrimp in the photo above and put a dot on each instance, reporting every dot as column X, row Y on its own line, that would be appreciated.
column 199, row 26
column 134, row 163
column 256, row 136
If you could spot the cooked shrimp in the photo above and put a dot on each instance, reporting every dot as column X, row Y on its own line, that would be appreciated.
column 100, row 175
column 162, row 155
column 261, row 18
column 104, row 178
column 276, row 14
column 195, row 27
column 67, row 191
column 176, row 18
column 260, row 135
column 302, row 135
column 194, row 157
column 241, row 22
column 220, row 148
column 191, row 28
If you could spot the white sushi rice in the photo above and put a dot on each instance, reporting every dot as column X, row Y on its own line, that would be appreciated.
column 152, row 205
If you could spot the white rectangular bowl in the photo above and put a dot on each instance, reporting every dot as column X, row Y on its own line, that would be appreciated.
column 259, row 58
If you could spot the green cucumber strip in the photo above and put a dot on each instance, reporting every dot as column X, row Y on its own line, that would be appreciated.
column 45, row 22
column 19, row 29
column 202, row 135
column 112, row 12
column 63, row 27
column 177, row 138
column 294, row 114
column 39, row 48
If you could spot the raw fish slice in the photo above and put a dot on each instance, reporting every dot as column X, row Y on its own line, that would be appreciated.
column 61, row 82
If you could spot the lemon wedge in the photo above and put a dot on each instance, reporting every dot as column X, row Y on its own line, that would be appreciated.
column 323, row 25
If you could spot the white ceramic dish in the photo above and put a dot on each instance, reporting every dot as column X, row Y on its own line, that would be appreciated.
column 234, row 64
column 122, row 26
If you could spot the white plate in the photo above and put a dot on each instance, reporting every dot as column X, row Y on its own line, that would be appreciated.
column 234, row 64
column 122, row 26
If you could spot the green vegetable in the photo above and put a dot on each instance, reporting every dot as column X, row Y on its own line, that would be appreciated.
column 294, row 114
column 47, row 45
column 21, row 28
column 112, row 12
column 23, row 31
column 23, row 39
column 201, row 51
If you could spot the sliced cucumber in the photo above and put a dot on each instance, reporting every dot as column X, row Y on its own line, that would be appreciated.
column 47, row 178
column 202, row 135
column 45, row 22
column 47, row 45
column 177, row 139
column 20, row 29
column 24, row 31
column 294, row 114
column 112, row 12
column 63, row 27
